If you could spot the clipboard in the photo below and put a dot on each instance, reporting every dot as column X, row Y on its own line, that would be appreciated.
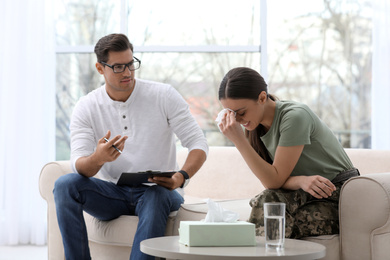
column 137, row 178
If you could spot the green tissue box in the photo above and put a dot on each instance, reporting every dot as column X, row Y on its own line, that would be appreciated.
column 198, row 233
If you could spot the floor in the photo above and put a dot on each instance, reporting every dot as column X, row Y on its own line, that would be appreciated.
column 23, row 252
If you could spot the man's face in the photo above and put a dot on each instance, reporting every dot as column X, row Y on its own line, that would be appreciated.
column 119, row 86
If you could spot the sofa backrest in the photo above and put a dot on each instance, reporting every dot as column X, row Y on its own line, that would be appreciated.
column 225, row 175
column 369, row 160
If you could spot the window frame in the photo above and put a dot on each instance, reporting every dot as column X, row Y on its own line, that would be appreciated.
column 262, row 48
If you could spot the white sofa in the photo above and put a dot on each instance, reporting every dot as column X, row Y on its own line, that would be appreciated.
column 225, row 177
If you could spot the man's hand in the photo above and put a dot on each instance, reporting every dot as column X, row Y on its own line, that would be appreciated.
column 170, row 183
column 105, row 151
column 194, row 161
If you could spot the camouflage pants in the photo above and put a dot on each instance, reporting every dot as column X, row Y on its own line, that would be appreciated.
column 305, row 215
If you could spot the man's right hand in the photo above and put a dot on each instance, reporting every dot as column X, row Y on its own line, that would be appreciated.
column 105, row 152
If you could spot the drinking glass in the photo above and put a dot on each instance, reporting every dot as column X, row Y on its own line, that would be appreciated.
column 274, row 224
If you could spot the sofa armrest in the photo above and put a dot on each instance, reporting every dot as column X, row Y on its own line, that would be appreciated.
column 364, row 217
column 49, row 174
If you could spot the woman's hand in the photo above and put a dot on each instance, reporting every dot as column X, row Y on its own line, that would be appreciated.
column 231, row 128
column 317, row 186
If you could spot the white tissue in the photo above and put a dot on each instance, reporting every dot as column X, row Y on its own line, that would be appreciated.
column 218, row 214
column 220, row 116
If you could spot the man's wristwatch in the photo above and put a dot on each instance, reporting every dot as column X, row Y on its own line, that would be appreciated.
column 186, row 178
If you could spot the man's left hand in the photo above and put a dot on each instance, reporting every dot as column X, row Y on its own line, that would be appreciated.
column 170, row 183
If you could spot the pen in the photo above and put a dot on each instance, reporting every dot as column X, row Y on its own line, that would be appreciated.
column 105, row 139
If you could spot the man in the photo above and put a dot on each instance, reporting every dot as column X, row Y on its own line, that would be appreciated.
column 126, row 125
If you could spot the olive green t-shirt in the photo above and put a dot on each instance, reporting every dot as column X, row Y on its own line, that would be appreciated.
column 296, row 124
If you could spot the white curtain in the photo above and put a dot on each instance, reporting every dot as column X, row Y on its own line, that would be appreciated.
column 27, row 117
column 381, row 75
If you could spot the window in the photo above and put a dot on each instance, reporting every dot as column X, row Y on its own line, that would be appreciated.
column 318, row 55
column 175, row 47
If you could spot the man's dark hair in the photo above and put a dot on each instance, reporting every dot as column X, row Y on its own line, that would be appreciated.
column 112, row 42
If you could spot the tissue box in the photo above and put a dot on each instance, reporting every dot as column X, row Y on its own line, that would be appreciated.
column 198, row 233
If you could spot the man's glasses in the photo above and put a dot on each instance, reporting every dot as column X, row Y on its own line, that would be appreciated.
column 119, row 68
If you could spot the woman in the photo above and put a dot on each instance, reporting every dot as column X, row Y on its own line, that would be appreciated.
column 292, row 152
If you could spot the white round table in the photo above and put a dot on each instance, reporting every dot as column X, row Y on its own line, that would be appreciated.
column 169, row 247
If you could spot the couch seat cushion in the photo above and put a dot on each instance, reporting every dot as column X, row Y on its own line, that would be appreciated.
column 119, row 232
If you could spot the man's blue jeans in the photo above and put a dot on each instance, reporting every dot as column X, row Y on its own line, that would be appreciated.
column 74, row 193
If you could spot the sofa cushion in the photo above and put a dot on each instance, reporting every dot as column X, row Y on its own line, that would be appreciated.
column 224, row 175
column 370, row 161
column 119, row 231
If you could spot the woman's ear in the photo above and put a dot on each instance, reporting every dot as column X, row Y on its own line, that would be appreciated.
column 99, row 68
column 262, row 97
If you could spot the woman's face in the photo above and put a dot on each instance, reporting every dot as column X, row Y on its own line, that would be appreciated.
column 249, row 113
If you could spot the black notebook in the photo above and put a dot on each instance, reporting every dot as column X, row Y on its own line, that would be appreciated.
column 137, row 178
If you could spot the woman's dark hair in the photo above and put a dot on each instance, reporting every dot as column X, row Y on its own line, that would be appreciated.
column 246, row 83
column 112, row 42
